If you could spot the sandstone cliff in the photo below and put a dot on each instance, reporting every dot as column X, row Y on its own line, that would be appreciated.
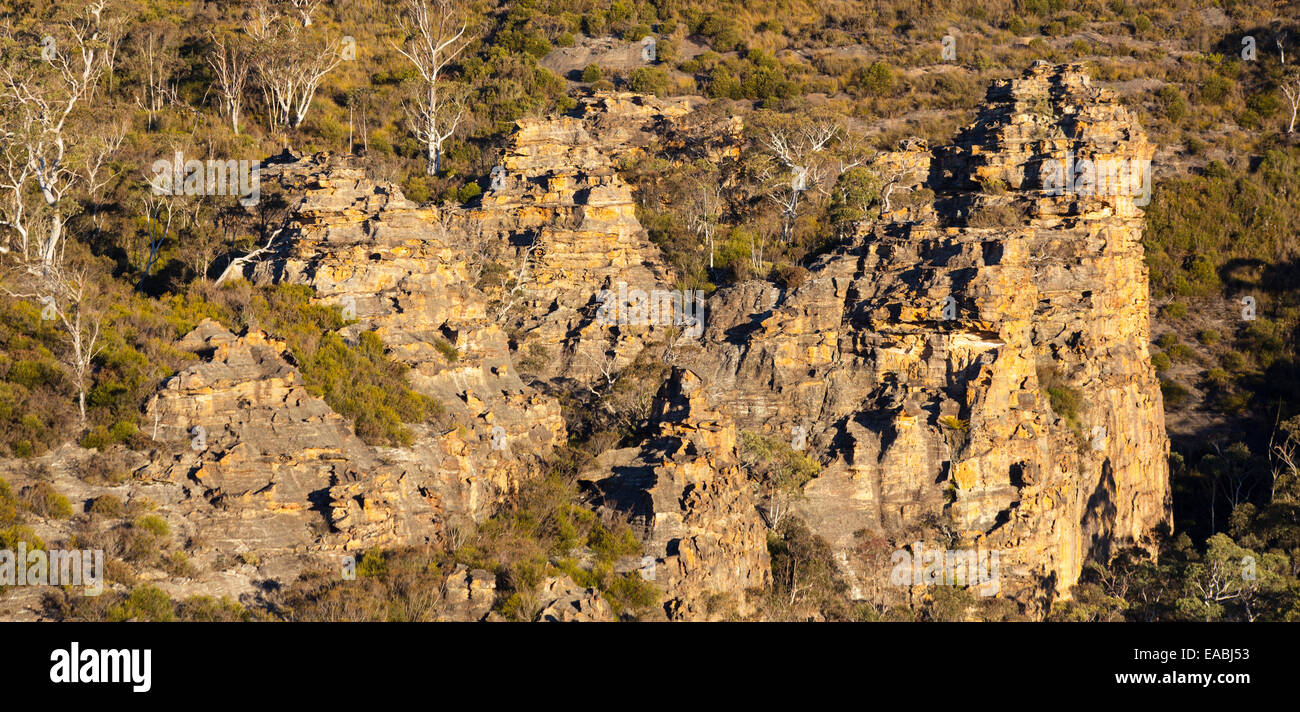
column 562, row 223
column 923, row 357
column 970, row 368
column 686, row 492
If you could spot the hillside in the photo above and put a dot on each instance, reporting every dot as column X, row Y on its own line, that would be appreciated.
column 576, row 310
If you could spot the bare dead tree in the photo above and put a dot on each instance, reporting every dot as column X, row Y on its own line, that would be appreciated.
column 37, row 172
column 231, row 60
column 236, row 266
column 43, row 161
column 705, row 205
column 289, row 70
column 66, row 295
column 608, row 374
column 81, row 326
column 520, row 285
column 159, row 211
column 305, row 9
column 435, row 34
column 800, row 156
column 112, row 34
column 260, row 21
column 1286, row 458
column 204, row 238
column 890, row 179
column 158, row 57
column 359, row 104
column 105, row 142
column 1291, row 88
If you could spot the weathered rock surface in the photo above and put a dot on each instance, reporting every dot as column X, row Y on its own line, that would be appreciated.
column 242, row 427
column 686, row 493
column 259, row 467
column 402, row 274
column 918, row 357
column 469, row 594
column 563, row 601
column 970, row 369
column 566, row 228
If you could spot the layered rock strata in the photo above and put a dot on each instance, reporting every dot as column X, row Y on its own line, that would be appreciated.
column 687, row 494
column 971, row 384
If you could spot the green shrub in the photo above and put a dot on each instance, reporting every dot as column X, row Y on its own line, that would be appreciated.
column 43, row 500
column 877, row 79
column 96, row 438
column 803, row 567
column 1172, row 102
column 1063, row 399
column 591, row 73
column 1181, row 352
column 1217, row 377
column 178, row 565
column 649, row 80
column 146, row 603
column 636, row 33
column 630, row 593
column 1173, row 310
column 416, row 188
column 1234, row 361
column 122, row 431
column 447, row 349
column 11, row 535
column 954, row 423
column 373, row 563
column 108, row 505
column 1175, row 393
column 207, row 609
column 776, row 464
column 154, row 524
column 9, row 505
column 468, row 192
column 359, row 381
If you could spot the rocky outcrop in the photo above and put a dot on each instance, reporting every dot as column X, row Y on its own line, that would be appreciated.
column 275, row 469
column 973, row 385
column 566, row 229
column 686, row 493
column 241, row 433
column 261, row 468
column 563, row 601
column 969, row 368
column 249, row 463
column 468, row 594
column 395, row 269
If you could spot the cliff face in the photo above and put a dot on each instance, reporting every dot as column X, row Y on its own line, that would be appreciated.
column 685, row 491
column 270, row 469
column 963, row 384
column 970, row 369
column 397, row 270
column 561, row 224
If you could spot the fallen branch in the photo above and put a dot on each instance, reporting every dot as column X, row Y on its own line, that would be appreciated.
column 239, row 262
